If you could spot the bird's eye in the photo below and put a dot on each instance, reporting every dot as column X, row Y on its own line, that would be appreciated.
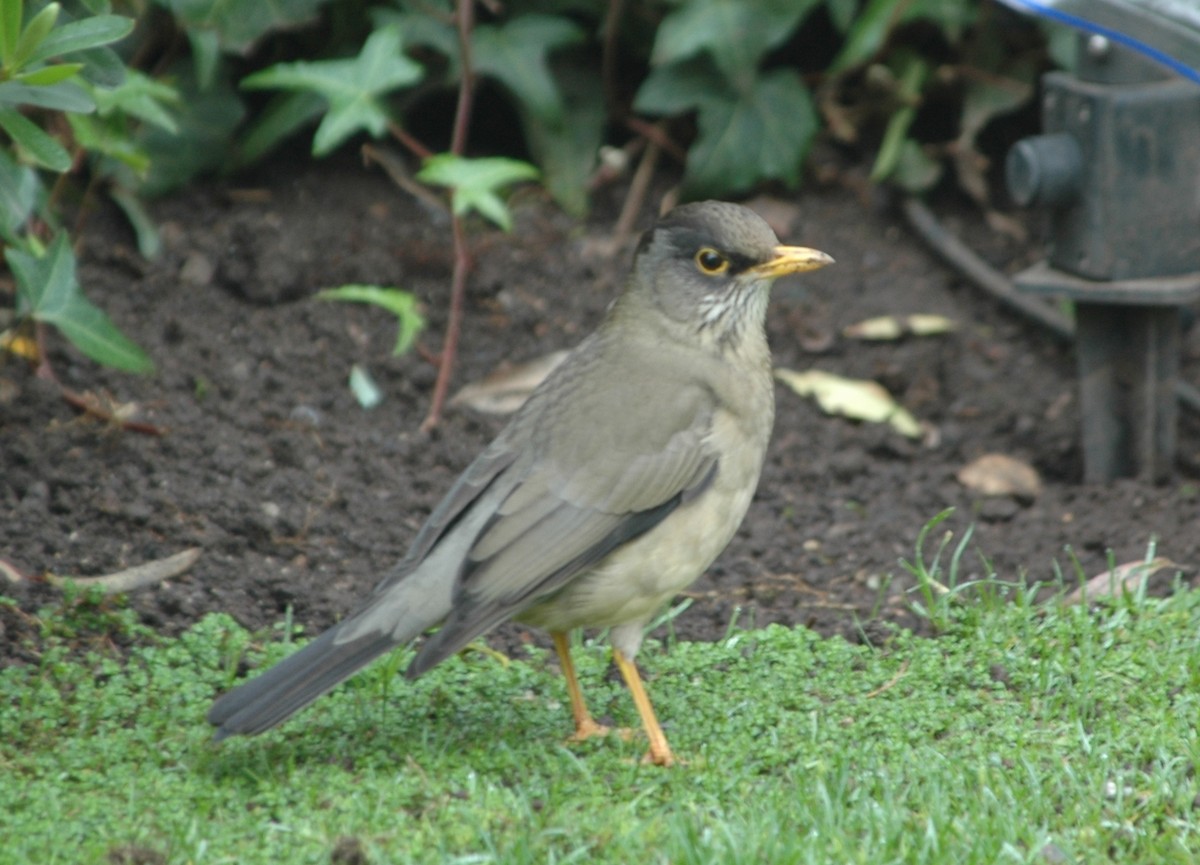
column 711, row 262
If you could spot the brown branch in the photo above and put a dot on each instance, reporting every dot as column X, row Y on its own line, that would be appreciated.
column 458, row 290
column 465, row 19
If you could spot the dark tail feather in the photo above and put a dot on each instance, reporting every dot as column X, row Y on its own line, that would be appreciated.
column 294, row 682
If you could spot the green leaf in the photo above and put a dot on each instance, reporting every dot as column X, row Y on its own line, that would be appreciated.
column 83, row 34
column 238, row 24
column 566, row 149
column 206, row 120
column 515, row 55
column 10, row 29
column 914, row 170
column 206, row 55
column 763, row 134
column 867, row 35
column 351, row 87
column 48, row 74
column 423, row 29
column 144, row 228
column 40, row 147
column 33, row 35
column 102, row 67
column 47, row 290
column 142, row 97
column 742, row 137
column 20, row 190
column 912, row 78
column 111, row 140
column 679, row 87
column 400, row 303
column 735, row 33
column 283, row 115
column 64, row 96
column 474, row 182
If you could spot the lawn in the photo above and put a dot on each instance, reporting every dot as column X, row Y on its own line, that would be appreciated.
column 1025, row 732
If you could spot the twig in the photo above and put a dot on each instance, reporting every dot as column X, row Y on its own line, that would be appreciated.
column 418, row 149
column 465, row 19
column 636, row 196
column 608, row 56
column 658, row 135
column 85, row 402
column 393, row 167
column 458, row 286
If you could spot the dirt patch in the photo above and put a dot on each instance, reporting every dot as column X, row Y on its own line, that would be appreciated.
column 300, row 499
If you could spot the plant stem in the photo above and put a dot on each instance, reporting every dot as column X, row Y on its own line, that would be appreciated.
column 465, row 20
column 458, row 291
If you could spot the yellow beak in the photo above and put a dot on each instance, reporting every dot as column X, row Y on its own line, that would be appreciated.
column 791, row 259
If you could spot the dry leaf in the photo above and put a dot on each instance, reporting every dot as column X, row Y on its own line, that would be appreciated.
column 886, row 327
column 853, row 398
column 1126, row 577
column 1001, row 475
column 505, row 390
column 137, row 576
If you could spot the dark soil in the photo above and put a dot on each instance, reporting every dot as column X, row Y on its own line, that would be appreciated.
column 298, row 498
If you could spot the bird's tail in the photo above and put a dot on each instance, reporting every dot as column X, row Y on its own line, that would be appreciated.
column 294, row 682
column 404, row 606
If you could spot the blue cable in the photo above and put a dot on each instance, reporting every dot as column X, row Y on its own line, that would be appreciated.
column 1049, row 11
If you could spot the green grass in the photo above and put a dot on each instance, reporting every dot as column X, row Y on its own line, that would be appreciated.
column 1023, row 733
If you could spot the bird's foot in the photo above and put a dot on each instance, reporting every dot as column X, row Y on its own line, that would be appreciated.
column 587, row 729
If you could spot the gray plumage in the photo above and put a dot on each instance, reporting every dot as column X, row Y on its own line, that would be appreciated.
column 616, row 484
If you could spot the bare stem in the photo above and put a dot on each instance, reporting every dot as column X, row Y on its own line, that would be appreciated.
column 465, row 19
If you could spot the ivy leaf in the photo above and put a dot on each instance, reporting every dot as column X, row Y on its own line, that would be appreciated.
column 48, row 291
column 474, row 182
column 515, row 55
column 735, row 33
column 238, row 24
column 566, row 148
column 402, row 304
column 351, row 87
column 743, row 137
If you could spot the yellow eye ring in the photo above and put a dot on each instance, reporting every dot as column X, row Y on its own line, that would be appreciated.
column 710, row 261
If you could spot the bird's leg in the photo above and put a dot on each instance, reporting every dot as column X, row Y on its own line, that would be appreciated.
column 660, row 752
column 585, row 725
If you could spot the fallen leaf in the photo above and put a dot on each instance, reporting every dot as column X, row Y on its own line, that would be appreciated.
column 1123, row 578
column 1001, row 475
column 363, row 386
column 505, row 390
column 858, row 399
column 895, row 326
column 138, row 576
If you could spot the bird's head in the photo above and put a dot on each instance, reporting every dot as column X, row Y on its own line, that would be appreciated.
column 711, row 264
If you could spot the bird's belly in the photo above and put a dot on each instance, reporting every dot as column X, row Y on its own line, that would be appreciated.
column 633, row 582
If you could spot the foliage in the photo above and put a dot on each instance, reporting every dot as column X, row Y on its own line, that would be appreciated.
column 752, row 124
column 474, row 183
column 724, row 78
column 402, row 304
column 54, row 69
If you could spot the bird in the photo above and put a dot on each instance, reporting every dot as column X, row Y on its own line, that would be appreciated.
column 618, row 482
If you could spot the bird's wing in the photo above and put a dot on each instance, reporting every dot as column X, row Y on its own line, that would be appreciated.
column 582, row 495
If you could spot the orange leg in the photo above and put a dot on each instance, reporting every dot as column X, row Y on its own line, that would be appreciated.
column 585, row 725
column 660, row 752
